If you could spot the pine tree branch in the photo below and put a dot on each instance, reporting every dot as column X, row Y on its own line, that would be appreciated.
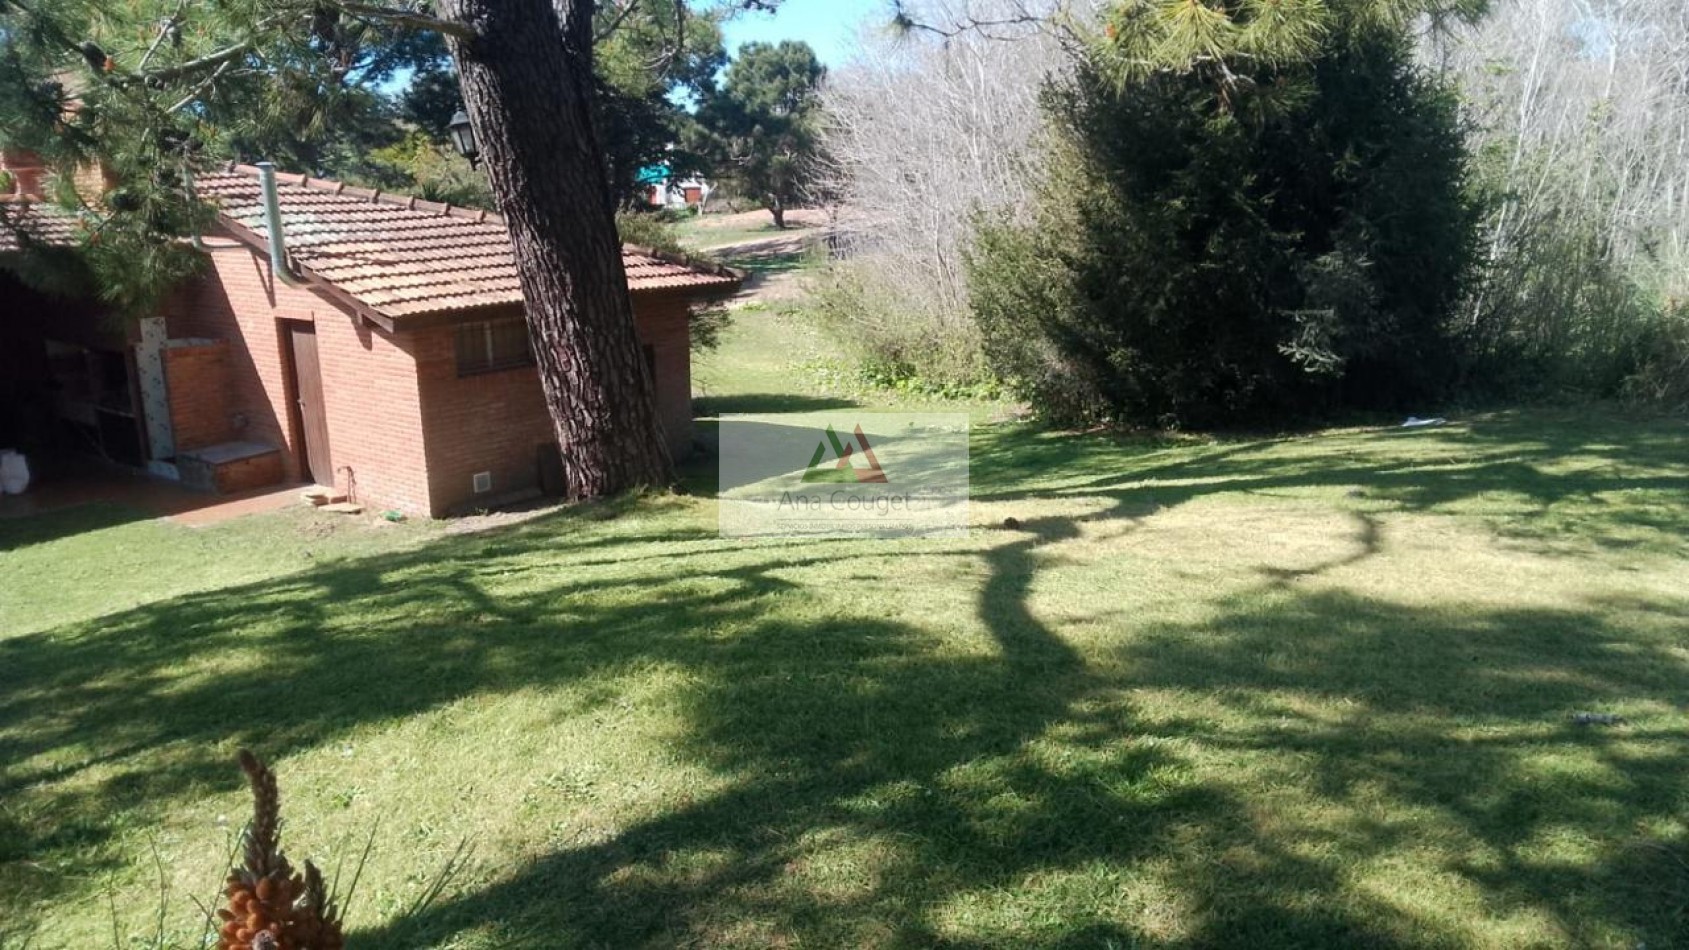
column 212, row 61
column 165, row 29
column 209, row 61
column 666, row 57
column 410, row 18
column 621, row 15
column 199, row 90
column 414, row 19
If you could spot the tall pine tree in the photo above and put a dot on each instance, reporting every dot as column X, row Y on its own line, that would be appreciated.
column 760, row 128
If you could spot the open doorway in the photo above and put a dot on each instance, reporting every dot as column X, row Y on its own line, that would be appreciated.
column 95, row 401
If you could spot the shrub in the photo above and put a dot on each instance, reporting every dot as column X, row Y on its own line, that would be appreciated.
column 650, row 229
column 1585, row 235
column 911, row 172
column 428, row 169
column 708, row 323
column 893, row 334
column 1557, row 315
column 655, row 230
column 1289, row 247
column 1661, row 379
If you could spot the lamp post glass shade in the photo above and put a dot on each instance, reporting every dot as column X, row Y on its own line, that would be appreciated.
column 463, row 136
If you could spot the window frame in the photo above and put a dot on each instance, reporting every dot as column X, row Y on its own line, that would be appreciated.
column 489, row 360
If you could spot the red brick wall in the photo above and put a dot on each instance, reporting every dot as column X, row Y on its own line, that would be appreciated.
column 494, row 422
column 369, row 380
column 664, row 325
column 375, row 428
column 197, row 378
column 235, row 300
column 487, row 422
column 26, row 170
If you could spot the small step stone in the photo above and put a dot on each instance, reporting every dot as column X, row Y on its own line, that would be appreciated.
column 344, row 508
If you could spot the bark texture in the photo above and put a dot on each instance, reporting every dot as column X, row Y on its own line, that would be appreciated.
column 527, row 80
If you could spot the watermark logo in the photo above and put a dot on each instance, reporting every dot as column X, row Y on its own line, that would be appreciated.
column 876, row 474
column 842, row 470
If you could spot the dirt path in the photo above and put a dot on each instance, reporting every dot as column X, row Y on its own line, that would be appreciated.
column 782, row 245
column 776, row 275
column 797, row 221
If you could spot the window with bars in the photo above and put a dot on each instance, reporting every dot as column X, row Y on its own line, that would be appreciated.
column 491, row 345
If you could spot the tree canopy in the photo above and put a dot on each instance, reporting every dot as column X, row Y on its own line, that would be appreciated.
column 761, row 126
column 650, row 56
column 151, row 90
column 1255, row 211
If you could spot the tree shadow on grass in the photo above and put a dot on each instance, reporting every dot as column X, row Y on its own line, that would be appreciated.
column 19, row 532
column 821, row 710
column 883, row 791
column 709, row 406
column 1617, row 482
column 1452, row 729
column 978, row 781
column 771, row 257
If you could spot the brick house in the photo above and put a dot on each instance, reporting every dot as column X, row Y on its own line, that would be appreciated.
column 389, row 361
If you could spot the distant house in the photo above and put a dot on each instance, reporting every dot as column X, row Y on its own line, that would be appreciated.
column 392, row 365
column 663, row 190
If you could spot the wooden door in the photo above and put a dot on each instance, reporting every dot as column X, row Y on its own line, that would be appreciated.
column 313, row 415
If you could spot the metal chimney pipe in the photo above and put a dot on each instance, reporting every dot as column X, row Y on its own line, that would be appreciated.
column 273, row 225
column 197, row 239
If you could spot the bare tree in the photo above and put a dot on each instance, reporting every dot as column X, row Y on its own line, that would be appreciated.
column 1587, row 103
column 1581, row 121
column 928, row 127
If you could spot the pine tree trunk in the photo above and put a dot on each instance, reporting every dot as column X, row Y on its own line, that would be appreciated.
column 527, row 82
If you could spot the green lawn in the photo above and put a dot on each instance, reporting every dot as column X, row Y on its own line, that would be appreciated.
column 1259, row 692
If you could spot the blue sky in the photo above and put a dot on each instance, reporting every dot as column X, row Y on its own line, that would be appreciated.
column 827, row 25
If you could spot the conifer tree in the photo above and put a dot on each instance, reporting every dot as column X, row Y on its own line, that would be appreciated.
column 761, row 125
column 1256, row 210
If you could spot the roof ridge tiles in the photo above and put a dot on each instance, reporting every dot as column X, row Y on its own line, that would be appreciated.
column 372, row 195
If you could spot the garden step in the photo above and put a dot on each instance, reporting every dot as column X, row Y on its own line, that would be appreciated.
column 322, row 496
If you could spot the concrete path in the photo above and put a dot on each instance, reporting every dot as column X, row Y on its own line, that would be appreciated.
column 153, row 496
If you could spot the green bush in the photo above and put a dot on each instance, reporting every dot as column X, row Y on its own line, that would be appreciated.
column 708, row 323
column 428, row 169
column 1661, row 379
column 892, row 333
column 652, row 229
column 1293, row 245
column 1572, row 306
column 1557, row 316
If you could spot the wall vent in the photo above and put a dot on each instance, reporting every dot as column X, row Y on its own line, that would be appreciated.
column 483, row 482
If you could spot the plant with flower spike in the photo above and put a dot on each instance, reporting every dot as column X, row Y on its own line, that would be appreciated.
column 270, row 906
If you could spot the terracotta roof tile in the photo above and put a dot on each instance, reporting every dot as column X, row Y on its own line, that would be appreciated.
column 401, row 256
column 23, row 221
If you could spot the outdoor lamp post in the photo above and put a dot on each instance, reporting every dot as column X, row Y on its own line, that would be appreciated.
column 463, row 136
